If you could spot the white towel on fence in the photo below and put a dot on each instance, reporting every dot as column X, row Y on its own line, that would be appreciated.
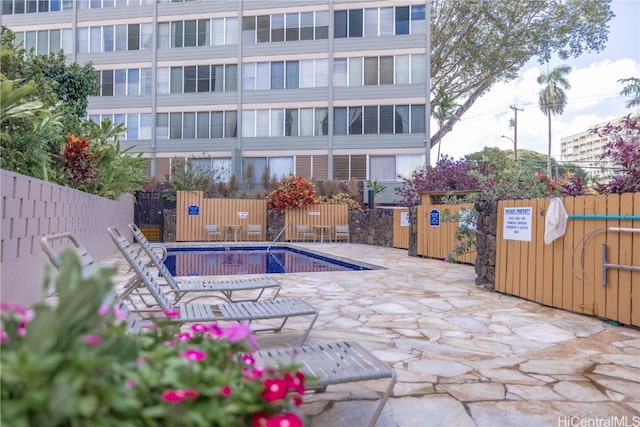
column 555, row 223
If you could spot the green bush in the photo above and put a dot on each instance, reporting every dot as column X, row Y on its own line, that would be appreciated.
column 73, row 363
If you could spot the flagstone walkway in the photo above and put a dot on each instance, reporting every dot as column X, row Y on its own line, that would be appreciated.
column 463, row 356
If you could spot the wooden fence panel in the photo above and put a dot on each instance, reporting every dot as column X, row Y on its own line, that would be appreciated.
column 610, row 293
column 548, row 257
column 421, row 224
column 635, row 275
column 436, row 242
column 316, row 215
column 223, row 212
column 568, row 277
column 400, row 230
column 579, row 232
column 568, row 273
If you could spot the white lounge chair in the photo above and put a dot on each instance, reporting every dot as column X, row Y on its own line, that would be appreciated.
column 61, row 241
column 281, row 308
column 333, row 363
column 193, row 286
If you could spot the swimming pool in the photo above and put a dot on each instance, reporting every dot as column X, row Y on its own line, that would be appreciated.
column 252, row 260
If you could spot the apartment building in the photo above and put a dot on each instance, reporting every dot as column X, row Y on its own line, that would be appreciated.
column 325, row 89
column 584, row 149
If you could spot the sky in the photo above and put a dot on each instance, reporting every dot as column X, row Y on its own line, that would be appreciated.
column 594, row 96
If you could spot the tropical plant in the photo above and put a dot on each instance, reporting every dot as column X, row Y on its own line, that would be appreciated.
column 28, row 131
column 631, row 88
column 552, row 98
column 294, row 192
column 623, row 148
column 446, row 175
column 73, row 363
column 340, row 199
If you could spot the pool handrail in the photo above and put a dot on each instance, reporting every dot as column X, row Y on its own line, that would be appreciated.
column 278, row 236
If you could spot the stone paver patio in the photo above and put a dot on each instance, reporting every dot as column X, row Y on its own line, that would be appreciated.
column 463, row 356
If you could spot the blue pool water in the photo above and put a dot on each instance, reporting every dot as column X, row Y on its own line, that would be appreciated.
column 250, row 260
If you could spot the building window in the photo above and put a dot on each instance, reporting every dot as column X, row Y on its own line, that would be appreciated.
column 382, row 168
column 402, row 20
column 407, row 164
column 204, row 78
column 340, row 24
column 248, row 30
column 371, row 22
column 386, row 119
column 217, row 124
column 263, row 31
column 190, row 79
column 291, row 122
column 277, row 28
column 401, row 119
column 277, row 75
column 340, row 72
column 175, row 123
column 189, row 125
column 107, row 83
column 418, row 23
column 355, row 23
column 190, row 33
column 371, row 119
column 292, row 32
column 355, row 120
column 306, row 26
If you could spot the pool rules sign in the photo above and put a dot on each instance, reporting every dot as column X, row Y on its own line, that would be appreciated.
column 517, row 224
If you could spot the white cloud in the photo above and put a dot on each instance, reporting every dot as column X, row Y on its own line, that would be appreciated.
column 594, row 98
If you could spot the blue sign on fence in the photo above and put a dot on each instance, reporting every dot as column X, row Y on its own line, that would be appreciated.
column 434, row 218
column 194, row 210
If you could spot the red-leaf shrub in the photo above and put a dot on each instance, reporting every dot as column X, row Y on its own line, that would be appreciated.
column 294, row 192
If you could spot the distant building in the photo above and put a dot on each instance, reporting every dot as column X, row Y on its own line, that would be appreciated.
column 325, row 89
column 584, row 149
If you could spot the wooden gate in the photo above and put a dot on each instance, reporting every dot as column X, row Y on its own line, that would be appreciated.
column 569, row 273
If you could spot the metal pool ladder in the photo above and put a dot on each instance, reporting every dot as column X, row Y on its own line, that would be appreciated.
column 278, row 236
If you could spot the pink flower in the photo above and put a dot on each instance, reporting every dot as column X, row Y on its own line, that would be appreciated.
column 175, row 396
column 240, row 331
column 260, row 419
column 225, row 391
column 128, row 383
column 119, row 313
column 248, row 359
column 22, row 329
column 104, row 309
column 252, row 374
column 295, row 383
column 199, row 328
column 185, row 336
column 216, row 330
column 92, row 339
column 193, row 355
column 171, row 314
column 3, row 336
column 274, row 389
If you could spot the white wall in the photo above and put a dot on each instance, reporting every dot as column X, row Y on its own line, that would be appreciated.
column 31, row 208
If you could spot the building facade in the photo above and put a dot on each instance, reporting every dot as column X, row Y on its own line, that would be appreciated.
column 325, row 89
column 584, row 149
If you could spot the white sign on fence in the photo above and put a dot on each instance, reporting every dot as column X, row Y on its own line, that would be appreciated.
column 404, row 219
column 517, row 224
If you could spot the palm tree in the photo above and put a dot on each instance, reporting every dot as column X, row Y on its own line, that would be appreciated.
column 553, row 99
column 444, row 106
column 631, row 88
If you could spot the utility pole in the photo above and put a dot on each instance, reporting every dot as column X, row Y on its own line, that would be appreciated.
column 515, row 131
